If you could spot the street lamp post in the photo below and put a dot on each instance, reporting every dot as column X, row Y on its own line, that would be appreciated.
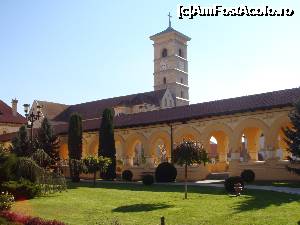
column 31, row 118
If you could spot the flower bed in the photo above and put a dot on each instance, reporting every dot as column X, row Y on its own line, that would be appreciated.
column 28, row 220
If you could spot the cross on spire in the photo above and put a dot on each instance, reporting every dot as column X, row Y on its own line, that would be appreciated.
column 169, row 15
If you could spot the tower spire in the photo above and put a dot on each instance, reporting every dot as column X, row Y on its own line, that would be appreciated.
column 169, row 15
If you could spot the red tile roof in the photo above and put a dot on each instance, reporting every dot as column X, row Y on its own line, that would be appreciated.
column 51, row 109
column 92, row 110
column 265, row 101
column 6, row 115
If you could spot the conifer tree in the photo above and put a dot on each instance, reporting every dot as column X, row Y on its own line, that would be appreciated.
column 75, row 145
column 292, row 134
column 49, row 142
column 21, row 144
column 107, row 143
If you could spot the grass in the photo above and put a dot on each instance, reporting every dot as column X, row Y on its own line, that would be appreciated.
column 136, row 204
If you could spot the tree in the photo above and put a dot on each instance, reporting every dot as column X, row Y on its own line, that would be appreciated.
column 49, row 142
column 75, row 145
column 292, row 136
column 187, row 154
column 21, row 144
column 107, row 143
column 94, row 164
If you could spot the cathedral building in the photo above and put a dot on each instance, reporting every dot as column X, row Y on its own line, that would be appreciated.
column 238, row 133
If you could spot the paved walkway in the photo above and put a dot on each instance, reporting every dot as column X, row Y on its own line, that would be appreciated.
column 218, row 184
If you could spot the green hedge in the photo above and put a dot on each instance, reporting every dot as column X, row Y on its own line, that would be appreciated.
column 22, row 189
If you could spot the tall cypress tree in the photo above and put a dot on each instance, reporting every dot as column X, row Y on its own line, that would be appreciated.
column 107, row 146
column 293, row 136
column 75, row 145
column 49, row 142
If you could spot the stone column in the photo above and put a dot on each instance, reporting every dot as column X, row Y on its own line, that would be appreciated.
column 252, row 135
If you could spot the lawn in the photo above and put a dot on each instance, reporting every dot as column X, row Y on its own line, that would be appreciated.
column 137, row 204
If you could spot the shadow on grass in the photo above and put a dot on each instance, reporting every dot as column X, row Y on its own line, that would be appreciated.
column 250, row 199
column 141, row 207
column 256, row 199
column 133, row 186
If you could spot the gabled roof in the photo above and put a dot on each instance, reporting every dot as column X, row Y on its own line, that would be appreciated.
column 6, row 115
column 51, row 109
column 265, row 101
column 170, row 30
column 91, row 110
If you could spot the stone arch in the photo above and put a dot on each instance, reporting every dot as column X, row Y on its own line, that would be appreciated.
column 277, row 136
column 222, row 133
column 186, row 133
column 120, row 145
column 277, row 125
column 130, row 141
column 248, row 123
column 253, row 128
column 159, row 136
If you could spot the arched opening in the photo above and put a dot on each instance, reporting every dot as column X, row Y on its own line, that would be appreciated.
column 138, row 153
column 186, row 133
column 180, row 53
column 252, row 145
column 218, row 146
column 164, row 52
column 181, row 80
column 119, row 150
column 213, row 153
column 160, row 152
column 165, row 80
column 181, row 94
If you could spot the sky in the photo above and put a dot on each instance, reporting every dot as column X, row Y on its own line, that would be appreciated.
column 75, row 51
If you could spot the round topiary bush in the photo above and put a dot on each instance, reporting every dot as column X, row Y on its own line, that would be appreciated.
column 127, row 175
column 230, row 181
column 165, row 172
column 248, row 176
column 148, row 179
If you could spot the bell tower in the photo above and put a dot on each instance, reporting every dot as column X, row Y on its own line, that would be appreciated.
column 170, row 63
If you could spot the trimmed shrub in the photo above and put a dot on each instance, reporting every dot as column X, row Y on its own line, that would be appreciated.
column 248, row 176
column 6, row 201
column 22, row 189
column 148, row 179
column 127, row 175
column 231, row 181
column 165, row 172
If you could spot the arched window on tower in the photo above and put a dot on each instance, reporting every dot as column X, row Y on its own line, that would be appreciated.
column 181, row 80
column 181, row 94
column 165, row 80
column 164, row 52
column 180, row 53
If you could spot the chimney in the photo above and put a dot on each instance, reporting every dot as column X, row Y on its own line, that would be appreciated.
column 14, row 106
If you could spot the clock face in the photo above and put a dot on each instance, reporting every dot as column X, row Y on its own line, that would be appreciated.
column 163, row 65
column 181, row 65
